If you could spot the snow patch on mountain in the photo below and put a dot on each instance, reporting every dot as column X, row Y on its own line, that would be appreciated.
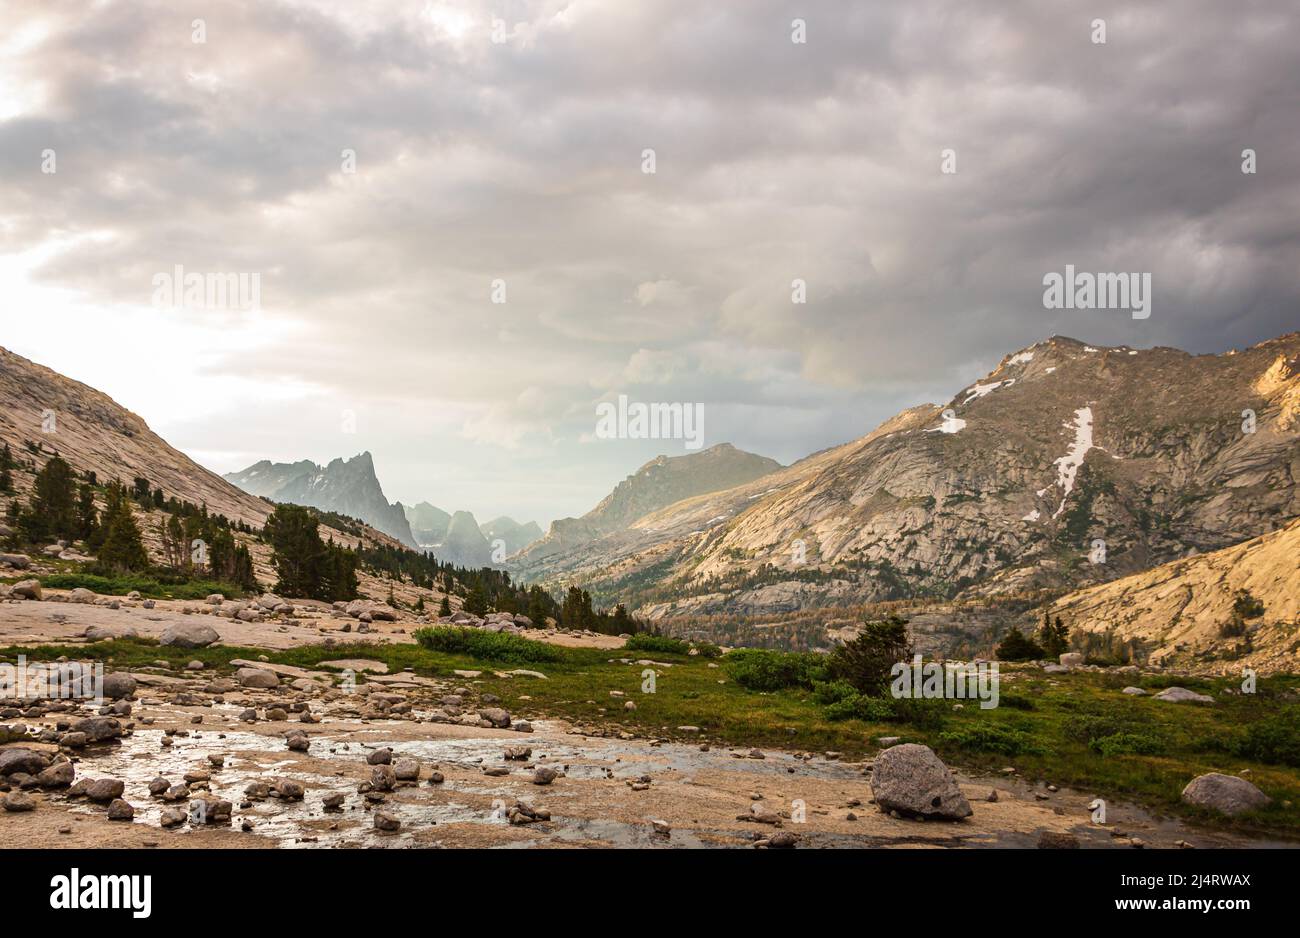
column 1067, row 467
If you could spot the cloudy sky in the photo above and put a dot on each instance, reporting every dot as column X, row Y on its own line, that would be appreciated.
column 505, row 141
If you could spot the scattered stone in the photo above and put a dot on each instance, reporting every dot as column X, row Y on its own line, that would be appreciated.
column 119, row 810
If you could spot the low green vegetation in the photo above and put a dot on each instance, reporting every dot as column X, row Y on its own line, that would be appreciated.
column 489, row 646
column 1075, row 729
column 150, row 587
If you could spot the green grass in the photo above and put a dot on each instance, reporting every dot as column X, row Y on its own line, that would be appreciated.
column 490, row 646
column 1075, row 729
column 144, row 585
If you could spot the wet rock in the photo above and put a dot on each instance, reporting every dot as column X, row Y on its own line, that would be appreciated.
column 158, row 787
column 119, row 810
column 380, row 757
column 98, row 729
column 782, row 840
column 496, row 716
column 383, row 777
column 518, row 753
column 210, row 811
column 406, row 770
column 104, row 789
column 73, row 740
column 521, row 812
column 1053, row 840
column 544, row 775
column 912, row 780
column 1226, row 794
column 189, row 635
column 289, row 790
column 172, row 817
column 386, row 821
column 333, row 801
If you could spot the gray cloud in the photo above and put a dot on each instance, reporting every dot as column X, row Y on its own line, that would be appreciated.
column 521, row 161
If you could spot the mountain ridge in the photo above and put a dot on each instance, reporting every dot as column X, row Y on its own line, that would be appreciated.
column 346, row 486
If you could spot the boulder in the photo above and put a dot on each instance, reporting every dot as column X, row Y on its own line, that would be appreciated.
column 256, row 677
column 17, row 802
column 104, row 789
column 119, row 810
column 17, row 561
column 27, row 589
column 496, row 716
column 83, row 595
column 118, row 685
column 1226, row 794
column 1182, row 695
column 1071, row 659
column 189, row 635
column 27, row 761
column 59, row 775
column 911, row 779
column 98, row 729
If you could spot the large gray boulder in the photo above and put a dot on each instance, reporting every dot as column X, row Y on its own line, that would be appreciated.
column 1226, row 794
column 189, row 635
column 118, row 685
column 911, row 779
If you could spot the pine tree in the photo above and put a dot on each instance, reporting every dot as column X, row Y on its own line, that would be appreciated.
column 122, row 548
column 444, row 607
column 87, row 518
column 1053, row 638
column 6, row 469
column 53, row 512
column 476, row 601
column 297, row 552
column 1016, row 647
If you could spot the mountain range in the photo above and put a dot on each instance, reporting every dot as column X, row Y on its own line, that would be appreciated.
column 43, row 413
column 1067, row 466
column 1147, row 496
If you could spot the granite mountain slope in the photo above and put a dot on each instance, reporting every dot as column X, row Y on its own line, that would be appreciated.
column 1066, row 466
